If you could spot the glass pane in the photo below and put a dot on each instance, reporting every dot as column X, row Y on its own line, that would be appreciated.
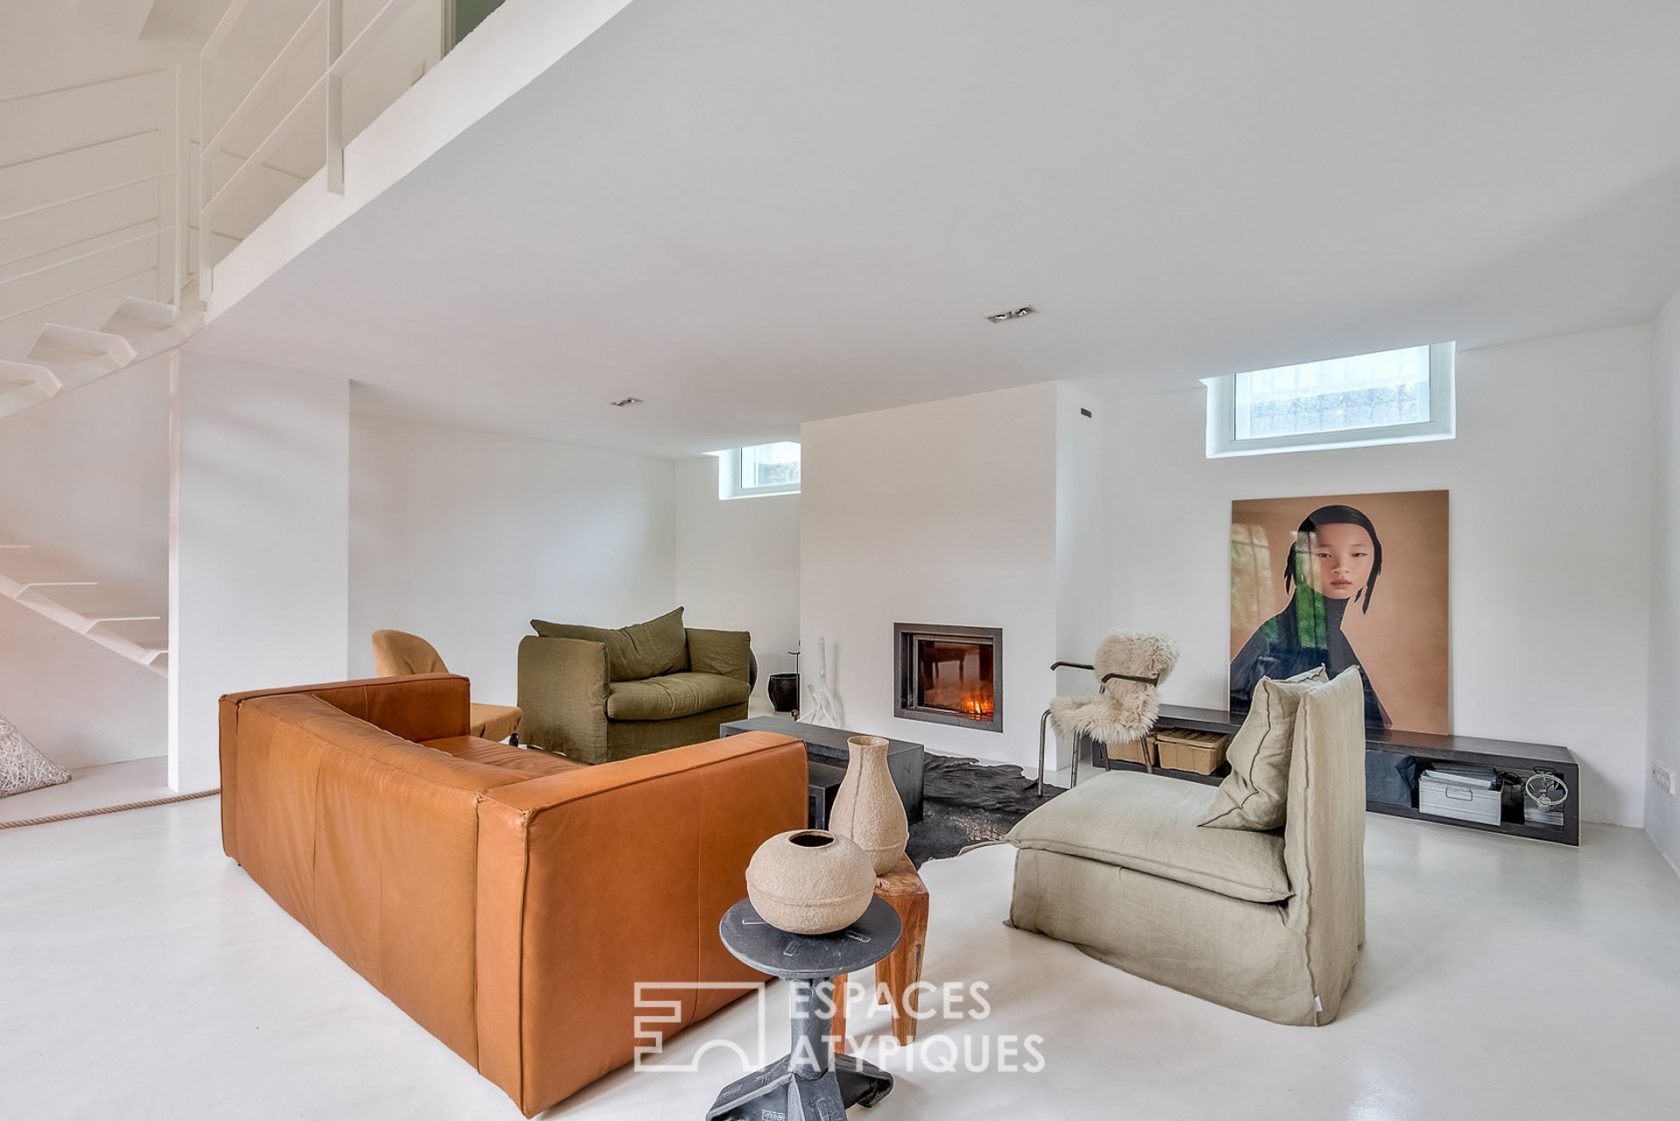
column 770, row 465
column 1367, row 391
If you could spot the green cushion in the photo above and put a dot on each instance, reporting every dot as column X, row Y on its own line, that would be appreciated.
column 647, row 649
column 1148, row 823
column 674, row 695
column 1254, row 794
column 723, row 652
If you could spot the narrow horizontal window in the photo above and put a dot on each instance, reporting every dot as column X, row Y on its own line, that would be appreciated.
column 759, row 469
column 1393, row 396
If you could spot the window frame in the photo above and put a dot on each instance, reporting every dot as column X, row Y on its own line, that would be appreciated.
column 1222, row 441
column 730, row 486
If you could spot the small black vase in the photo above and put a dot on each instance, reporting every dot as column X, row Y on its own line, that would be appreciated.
column 784, row 691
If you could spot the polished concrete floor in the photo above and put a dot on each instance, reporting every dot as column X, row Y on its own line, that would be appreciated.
column 142, row 975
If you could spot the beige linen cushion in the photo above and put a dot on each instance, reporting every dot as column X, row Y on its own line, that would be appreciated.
column 22, row 768
column 634, row 653
column 1147, row 823
column 1253, row 795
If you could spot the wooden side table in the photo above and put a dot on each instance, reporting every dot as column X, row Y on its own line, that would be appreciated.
column 902, row 889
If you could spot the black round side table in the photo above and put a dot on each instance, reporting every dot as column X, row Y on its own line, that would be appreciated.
column 811, row 1083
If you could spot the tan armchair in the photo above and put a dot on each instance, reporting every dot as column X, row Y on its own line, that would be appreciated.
column 400, row 654
column 1267, row 923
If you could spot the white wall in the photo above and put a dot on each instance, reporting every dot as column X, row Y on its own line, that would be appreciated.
column 259, row 585
column 1662, row 812
column 1550, row 481
column 84, row 481
column 737, row 564
column 463, row 537
column 936, row 513
column 1080, row 531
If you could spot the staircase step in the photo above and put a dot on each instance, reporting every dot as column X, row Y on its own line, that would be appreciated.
column 152, row 325
column 81, row 349
column 140, row 309
column 24, row 385
column 154, row 658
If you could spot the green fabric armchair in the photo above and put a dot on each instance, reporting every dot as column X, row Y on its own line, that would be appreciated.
column 596, row 695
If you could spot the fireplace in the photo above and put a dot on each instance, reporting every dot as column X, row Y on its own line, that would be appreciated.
column 949, row 675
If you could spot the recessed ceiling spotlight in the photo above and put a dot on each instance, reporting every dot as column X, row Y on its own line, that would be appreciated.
column 627, row 402
column 1012, row 313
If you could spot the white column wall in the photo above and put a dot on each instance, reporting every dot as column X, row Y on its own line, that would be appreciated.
column 259, row 542
column 938, row 513
column 1662, row 809
column 1080, row 568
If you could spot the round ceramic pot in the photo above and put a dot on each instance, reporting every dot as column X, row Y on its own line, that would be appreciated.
column 809, row 881
column 867, row 807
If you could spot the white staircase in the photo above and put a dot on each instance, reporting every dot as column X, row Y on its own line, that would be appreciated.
column 104, row 629
column 64, row 358
column 196, row 161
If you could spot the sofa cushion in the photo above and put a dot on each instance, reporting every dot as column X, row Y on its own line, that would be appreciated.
column 1148, row 823
column 723, row 652
column 526, row 760
column 1254, row 794
column 674, row 695
column 649, row 649
column 492, row 722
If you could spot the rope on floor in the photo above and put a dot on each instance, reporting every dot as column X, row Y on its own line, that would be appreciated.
column 109, row 809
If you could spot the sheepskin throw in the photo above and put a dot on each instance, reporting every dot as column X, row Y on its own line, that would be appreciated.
column 1124, row 711
column 21, row 766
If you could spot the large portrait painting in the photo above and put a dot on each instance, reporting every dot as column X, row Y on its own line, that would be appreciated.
column 1345, row 580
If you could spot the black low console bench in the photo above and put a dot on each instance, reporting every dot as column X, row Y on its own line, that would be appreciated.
column 1519, row 760
column 826, row 750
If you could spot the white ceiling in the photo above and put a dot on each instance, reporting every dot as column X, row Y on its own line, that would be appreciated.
column 757, row 212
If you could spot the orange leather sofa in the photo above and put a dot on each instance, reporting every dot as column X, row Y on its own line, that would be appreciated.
column 507, row 900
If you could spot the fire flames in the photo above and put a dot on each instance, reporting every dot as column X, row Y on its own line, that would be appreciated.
column 973, row 701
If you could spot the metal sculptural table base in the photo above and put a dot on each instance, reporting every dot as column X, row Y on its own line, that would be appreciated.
column 811, row 1083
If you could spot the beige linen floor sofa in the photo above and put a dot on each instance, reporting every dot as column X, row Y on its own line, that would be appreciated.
column 1269, row 922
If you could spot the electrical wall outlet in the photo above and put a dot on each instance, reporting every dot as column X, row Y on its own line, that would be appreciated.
column 1663, row 777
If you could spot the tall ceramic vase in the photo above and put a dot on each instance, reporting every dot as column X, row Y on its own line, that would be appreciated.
column 867, row 808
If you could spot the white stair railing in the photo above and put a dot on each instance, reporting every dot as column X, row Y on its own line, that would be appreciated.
column 165, row 165
column 324, row 93
column 144, row 141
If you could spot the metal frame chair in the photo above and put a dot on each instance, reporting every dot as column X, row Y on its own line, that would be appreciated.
column 1102, row 687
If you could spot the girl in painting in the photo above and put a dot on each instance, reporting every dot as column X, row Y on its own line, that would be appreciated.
column 1334, row 562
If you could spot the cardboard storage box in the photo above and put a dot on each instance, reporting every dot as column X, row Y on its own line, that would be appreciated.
column 1185, row 749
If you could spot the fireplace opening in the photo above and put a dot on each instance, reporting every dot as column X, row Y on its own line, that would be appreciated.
column 949, row 675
